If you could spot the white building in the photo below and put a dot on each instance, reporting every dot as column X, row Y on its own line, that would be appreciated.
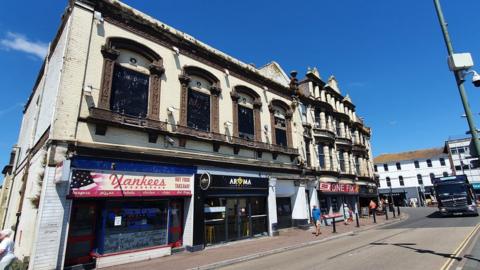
column 409, row 174
column 460, row 152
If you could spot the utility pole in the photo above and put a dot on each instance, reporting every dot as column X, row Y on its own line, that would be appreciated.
column 458, row 78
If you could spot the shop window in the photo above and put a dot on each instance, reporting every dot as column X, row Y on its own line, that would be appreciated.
column 442, row 161
column 417, row 164
column 420, row 179
column 389, row 182
column 135, row 224
column 245, row 123
column 284, row 212
column 385, row 167
column 429, row 163
column 400, row 180
column 198, row 113
column 215, row 218
column 335, row 204
column 399, row 167
column 321, row 156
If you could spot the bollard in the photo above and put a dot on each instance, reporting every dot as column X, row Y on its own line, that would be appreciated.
column 386, row 213
column 393, row 211
column 398, row 210
column 358, row 222
column 374, row 211
column 333, row 224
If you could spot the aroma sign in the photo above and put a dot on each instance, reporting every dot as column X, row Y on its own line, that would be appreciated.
column 114, row 184
column 240, row 181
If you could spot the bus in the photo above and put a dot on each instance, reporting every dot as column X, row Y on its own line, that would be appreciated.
column 455, row 195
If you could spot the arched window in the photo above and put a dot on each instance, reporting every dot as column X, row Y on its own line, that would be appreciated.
column 280, row 118
column 246, row 113
column 131, row 79
column 199, row 99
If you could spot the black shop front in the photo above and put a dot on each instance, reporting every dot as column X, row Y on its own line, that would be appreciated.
column 229, row 208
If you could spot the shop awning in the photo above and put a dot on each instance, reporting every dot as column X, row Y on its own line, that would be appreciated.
column 345, row 181
column 326, row 179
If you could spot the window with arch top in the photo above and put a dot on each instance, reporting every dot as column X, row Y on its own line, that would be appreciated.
column 131, row 79
column 246, row 113
column 280, row 118
column 199, row 103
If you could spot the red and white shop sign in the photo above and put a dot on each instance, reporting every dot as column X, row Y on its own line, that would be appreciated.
column 86, row 183
column 335, row 187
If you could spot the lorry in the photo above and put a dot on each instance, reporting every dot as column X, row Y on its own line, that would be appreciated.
column 455, row 195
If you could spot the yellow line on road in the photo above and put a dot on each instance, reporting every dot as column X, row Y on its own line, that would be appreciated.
column 460, row 248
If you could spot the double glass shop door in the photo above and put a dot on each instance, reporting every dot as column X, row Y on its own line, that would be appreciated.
column 229, row 219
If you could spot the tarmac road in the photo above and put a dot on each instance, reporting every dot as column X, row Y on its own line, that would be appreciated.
column 423, row 241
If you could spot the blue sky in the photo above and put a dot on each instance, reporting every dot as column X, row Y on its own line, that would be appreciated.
column 388, row 55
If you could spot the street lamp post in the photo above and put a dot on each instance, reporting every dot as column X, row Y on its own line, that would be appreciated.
column 458, row 78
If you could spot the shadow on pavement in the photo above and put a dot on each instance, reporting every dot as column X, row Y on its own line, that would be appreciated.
column 418, row 250
column 437, row 214
column 470, row 257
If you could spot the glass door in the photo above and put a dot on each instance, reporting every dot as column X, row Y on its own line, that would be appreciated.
column 244, row 218
column 175, row 231
column 232, row 219
column 81, row 234
column 215, row 220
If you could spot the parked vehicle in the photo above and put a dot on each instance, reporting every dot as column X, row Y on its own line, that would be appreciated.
column 455, row 195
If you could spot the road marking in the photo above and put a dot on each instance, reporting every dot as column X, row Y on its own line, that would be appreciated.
column 460, row 248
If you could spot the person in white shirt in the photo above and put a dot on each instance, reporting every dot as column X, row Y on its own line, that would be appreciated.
column 6, row 249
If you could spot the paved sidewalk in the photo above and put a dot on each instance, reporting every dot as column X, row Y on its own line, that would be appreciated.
column 233, row 252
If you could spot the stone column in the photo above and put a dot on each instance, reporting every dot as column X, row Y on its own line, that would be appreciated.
column 312, row 187
column 326, row 152
column 323, row 121
column 299, row 212
column 342, row 130
column 272, row 207
column 347, row 161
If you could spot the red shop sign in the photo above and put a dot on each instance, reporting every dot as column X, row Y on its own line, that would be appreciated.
column 336, row 187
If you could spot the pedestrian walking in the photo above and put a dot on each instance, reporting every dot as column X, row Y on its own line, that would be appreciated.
column 316, row 215
column 373, row 206
column 6, row 249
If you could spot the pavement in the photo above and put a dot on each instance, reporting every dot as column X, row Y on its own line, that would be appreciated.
column 241, row 251
column 424, row 241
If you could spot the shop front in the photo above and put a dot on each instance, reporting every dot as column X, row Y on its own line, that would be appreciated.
column 135, row 208
column 476, row 189
column 337, row 198
column 366, row 193
column 229, row 208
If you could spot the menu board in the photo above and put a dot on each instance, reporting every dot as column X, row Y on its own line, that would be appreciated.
column 134, row 240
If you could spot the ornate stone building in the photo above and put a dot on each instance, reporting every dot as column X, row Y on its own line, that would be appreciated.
column 139, row 139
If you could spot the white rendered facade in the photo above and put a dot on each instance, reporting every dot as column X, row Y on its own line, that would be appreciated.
column 460, row 155
column 416, row 169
